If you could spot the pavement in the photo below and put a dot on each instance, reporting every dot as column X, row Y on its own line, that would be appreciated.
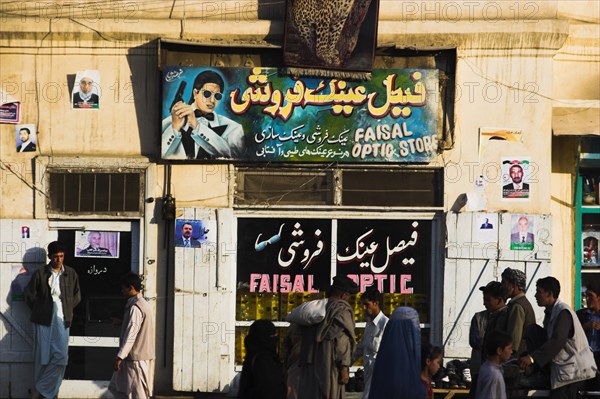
column 202, row 395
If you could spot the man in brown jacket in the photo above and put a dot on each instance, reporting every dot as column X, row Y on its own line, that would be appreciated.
column 520, row 311
column 134, row 364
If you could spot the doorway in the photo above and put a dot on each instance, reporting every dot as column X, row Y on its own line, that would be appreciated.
column 94, row 338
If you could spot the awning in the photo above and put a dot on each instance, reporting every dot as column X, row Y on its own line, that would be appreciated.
column 576, row 117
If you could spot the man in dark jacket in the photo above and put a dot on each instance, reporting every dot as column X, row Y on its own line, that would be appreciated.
column 51, row 294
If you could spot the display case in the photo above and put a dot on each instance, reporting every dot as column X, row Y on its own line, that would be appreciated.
column 587, row 223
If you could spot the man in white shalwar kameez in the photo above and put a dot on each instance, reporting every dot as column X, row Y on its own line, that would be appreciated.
column 134, row 364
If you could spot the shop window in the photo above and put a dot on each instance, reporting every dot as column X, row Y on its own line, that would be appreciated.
column 414, row 187
column 285, row 261
column 97, row 193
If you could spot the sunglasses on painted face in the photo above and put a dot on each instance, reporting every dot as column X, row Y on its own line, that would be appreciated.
column 208, row 94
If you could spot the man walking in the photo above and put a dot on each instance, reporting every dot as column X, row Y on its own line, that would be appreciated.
column 520, row 312
column 134, row 367
column 372, row 301
column 326, row 352
column 566, row 349
column 52, row 293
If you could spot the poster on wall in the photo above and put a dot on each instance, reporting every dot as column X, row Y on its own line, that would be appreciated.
column 336, row 37
column 485, row 228
column 10, row 108
column 194, row 233
column 96, row 244
column 86, row 92
column 261, row 115
column 487, row 136
column 522, row 236
column 516, row 175
column 26, row 138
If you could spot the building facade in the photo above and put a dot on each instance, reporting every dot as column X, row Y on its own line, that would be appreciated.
column 273, row 230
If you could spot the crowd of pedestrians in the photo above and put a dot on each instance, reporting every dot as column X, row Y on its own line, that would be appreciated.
column 510, row 352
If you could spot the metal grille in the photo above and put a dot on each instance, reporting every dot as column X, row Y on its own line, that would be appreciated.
column 99, row 193
column 341, row 186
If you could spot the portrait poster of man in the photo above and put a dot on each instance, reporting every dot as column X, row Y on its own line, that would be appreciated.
column 194, row 233
column 516, row 174
column 97, row 244
column 485, row 228
column 522, row 237
column 196, row 116
column 26, row 138
column 330, row 35
column 86, row 91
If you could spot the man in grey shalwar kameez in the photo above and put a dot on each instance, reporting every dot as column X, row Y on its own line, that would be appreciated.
column 51, row 294
column 326, row 351
column 134, row 364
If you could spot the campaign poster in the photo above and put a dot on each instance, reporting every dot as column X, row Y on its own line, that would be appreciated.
column 194, row 233
column 26, row 138
column 96, row 244
column 522, row 233
column 86, row 91
column 485, row 228
column 516, row 175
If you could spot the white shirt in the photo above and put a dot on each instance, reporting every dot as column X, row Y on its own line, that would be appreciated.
column 54, row 283
column 369, row 346
column 24, row 144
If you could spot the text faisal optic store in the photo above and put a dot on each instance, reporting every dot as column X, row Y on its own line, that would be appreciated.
column 334, row 177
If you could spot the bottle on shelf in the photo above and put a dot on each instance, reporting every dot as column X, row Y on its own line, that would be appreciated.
column 588, row 191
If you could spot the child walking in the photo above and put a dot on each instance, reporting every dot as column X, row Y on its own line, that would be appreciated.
column 490, row 383
column 431, row 361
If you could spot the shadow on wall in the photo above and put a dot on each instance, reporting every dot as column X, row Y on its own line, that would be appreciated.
column 146, row 95
column 17, row 340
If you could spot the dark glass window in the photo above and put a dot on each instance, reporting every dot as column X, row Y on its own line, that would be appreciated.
column 416, row 187
column 285, row 188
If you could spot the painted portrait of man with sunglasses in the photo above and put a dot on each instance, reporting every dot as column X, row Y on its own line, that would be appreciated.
column 195, row 130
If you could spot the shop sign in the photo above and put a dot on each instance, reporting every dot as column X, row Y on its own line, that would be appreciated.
column 284, row 262
column 393, row 255
column 259, row 114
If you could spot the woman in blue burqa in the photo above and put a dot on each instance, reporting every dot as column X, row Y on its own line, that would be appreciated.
column 397, row 368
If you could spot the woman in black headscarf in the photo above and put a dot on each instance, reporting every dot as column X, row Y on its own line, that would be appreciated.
column 262, row 372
